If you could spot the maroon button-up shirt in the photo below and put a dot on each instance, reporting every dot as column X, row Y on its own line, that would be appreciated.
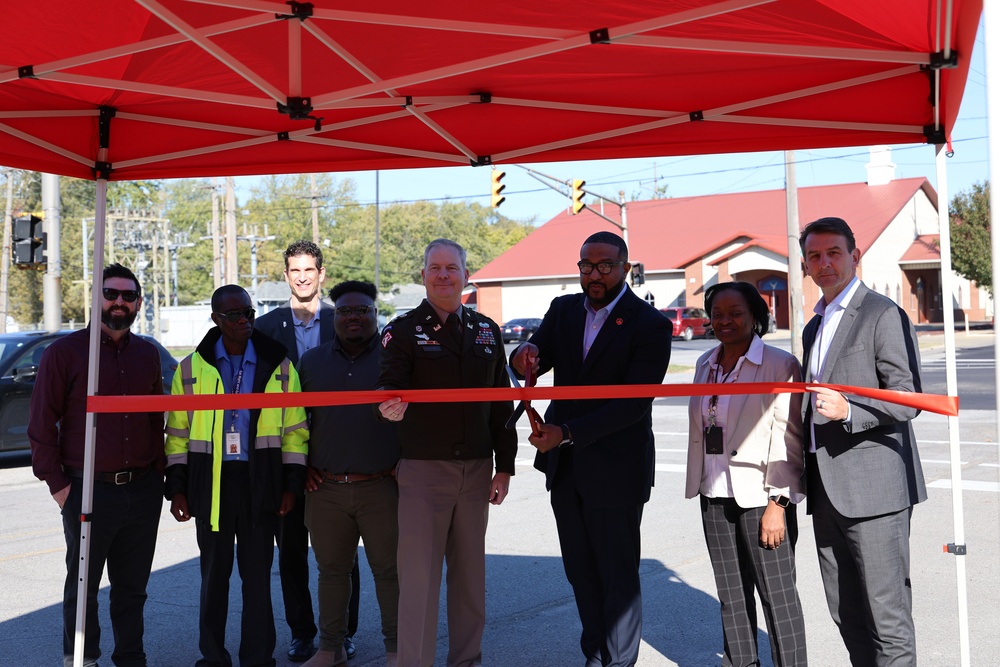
column 58, row 412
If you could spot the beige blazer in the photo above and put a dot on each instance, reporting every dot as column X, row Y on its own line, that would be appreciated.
column 763, row 434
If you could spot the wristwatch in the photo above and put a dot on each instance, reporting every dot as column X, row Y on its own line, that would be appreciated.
column 780, row 501
column 567, row 439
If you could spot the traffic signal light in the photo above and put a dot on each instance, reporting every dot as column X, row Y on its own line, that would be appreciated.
column 577, row 196
column 638, row 274
column 498, row 187
column 28, row 246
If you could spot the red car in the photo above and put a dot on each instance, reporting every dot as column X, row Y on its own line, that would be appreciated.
column 689, row 322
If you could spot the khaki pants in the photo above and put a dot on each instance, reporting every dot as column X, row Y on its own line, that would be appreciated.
column 443, row 509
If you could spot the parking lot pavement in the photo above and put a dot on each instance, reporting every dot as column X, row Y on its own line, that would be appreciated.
column 531, row 617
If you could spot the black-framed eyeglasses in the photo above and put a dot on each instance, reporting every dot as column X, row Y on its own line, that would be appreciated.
column 360, row 311
column 235, row 316
column 127, row 295
column 604, row 268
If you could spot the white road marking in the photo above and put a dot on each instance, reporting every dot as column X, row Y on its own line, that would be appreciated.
column 967, row 485
column 963, row 442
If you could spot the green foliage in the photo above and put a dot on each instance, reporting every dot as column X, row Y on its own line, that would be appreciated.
column 278, row 207
column 970, row 235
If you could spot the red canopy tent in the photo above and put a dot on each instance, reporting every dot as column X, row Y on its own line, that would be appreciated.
column 123, row 89
column 178, row 88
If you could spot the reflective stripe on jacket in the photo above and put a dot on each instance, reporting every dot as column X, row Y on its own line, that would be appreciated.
column 194, row 438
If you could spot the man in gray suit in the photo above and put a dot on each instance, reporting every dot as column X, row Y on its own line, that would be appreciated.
column 863, row 471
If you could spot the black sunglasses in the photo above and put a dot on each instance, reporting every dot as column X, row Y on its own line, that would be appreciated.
column 604, row 268
column 127, row 295
column 235, row 316
column 360, row 311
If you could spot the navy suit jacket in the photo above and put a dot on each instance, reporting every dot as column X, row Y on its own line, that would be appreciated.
column 280, row 325
column 612, row 438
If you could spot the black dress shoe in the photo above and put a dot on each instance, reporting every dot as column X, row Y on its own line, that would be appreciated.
column 301, row 650
column 349, row 648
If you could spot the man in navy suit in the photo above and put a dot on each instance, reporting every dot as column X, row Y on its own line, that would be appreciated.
column 597, row 455
column 305, row 322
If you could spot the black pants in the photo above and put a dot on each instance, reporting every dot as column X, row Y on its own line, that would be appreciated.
column 600, row 549
column 293, row 566
column 254, row 540
column 122, row 534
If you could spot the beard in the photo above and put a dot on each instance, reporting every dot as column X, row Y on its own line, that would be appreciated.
column 118, row 320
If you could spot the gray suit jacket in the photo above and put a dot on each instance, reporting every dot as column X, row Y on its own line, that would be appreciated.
column 279, row 325
column 870, row 466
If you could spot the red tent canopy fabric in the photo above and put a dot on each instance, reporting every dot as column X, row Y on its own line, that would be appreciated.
column 173, row 88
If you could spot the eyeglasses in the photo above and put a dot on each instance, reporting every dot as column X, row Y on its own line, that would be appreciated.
column 127, row 295
column 360, row 311
column 604, row 268
column 235, row 316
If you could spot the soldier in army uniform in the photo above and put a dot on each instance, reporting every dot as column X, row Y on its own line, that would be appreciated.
column 447, row 452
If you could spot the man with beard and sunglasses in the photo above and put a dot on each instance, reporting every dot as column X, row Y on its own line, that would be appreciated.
column 128, row 460
column 236, row 471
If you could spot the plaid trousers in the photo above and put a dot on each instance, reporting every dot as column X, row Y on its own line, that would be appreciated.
column 741, row 565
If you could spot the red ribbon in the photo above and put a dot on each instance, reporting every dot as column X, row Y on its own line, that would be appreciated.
column 944, row 405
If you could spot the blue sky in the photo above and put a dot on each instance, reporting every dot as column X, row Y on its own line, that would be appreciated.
column 691, row 176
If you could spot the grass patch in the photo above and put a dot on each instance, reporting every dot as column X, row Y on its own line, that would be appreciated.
column 675, row 368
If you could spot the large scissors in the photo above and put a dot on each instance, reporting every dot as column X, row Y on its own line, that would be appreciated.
column 525, row 406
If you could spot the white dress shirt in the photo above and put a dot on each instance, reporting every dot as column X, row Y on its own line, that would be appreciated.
column 831, row 314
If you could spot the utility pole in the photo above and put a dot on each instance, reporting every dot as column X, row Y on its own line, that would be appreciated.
column 180, row 241
column 378, row 235
column 794, row 255
column 255, row 240
column 315, row 209
column 52, row 281
column 232, row 273
column 5, row 259
column 216, row 241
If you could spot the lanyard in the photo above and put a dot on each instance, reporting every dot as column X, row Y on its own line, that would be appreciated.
column 713, row 402
column 237, row 383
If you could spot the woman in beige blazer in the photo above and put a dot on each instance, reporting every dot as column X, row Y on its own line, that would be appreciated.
column 745, row 463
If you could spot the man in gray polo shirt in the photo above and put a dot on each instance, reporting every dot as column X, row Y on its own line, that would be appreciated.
column 351, row 489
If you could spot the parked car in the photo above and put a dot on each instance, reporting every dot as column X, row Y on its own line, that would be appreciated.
column 689, row 322
column 520, row 329
column 20, row 354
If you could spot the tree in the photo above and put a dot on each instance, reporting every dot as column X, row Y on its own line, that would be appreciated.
column 970, row 235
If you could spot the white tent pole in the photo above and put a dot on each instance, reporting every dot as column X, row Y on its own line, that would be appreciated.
column 947, row 300
column 87, row 503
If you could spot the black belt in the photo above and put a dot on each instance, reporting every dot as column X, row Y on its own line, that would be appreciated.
column 121, row 477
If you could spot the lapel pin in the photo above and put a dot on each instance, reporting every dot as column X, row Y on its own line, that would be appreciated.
column 619, row 321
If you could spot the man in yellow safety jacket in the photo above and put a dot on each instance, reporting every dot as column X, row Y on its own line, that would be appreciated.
column 235, row 471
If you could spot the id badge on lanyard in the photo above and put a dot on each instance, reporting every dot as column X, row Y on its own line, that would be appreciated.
column 233, row 444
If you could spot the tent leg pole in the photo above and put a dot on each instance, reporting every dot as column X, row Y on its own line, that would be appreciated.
column 947, row 301
column 87, row 502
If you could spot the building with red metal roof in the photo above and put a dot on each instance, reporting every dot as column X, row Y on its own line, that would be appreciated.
column 688, row 243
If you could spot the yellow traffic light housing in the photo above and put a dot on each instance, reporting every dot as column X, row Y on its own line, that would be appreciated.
column 498, row 187
column 577, row 196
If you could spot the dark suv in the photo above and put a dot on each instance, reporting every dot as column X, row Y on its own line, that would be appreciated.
column 19, row 356
column 689, row 322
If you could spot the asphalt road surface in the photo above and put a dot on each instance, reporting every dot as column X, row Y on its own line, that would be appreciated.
column 531, row 616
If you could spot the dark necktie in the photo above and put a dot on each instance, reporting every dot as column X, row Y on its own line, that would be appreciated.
column 454, row 327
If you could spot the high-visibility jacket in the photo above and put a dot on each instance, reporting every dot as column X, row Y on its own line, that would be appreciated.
column 279, row 437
